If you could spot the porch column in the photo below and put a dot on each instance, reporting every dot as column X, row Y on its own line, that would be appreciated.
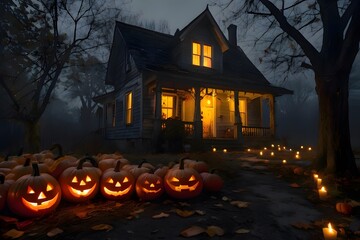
column 157, row 119
column 272, row 115
column 197, row 115
column 238, row 120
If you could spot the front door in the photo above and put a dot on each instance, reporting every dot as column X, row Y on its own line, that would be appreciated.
column 208, row 117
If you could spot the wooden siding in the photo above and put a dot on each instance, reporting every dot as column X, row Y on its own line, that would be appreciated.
column 122, row 130
column 254, row 112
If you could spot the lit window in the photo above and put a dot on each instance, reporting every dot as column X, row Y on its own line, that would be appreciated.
column 196, row 54
column 207, row 56
column 201, row 55
column 167, row 107
column 128, row 108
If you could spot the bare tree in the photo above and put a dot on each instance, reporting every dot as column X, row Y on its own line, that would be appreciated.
column 40, row 37
column 322, row 36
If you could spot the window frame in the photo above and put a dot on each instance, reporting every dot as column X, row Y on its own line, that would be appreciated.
column 202, row 57
column 173, row 108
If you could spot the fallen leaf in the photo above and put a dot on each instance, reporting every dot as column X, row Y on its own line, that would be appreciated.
column 184, row 204
column 200, row 212
column 101, row 227
column 294, row 185
column 240, row 204
column 184, row 213
column 161, row 215
column 135, row 212
column 8, row 219
column 192, row 231
column 13, row 233
column 224, row 198
column 354, row 203
column 215, row 231
column 53, row 232
column 23, row 224
column 219, row 205
column 302, row 225
column 242, row 230
column 82, row 214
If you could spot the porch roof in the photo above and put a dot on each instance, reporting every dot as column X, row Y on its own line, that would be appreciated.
column 183, row 79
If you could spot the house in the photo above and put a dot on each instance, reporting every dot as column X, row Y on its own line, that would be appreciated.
column 196, row 77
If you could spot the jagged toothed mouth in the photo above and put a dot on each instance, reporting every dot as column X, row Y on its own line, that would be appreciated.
column 82, row 193
column 117, row 193
column 34, row 206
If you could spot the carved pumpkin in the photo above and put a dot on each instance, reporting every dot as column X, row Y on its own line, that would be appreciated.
column 183, row 183
column 149, row 186
column 4, row 187
column 34, row 195
column 117, row 184
column 212, row 181
column 80, row 184
column 344, row 208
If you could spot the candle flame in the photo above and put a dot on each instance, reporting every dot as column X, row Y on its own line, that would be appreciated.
column 330, row 228
column 323, row 189
column 316, row 176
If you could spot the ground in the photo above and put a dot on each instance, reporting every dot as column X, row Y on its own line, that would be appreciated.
column 262, row 199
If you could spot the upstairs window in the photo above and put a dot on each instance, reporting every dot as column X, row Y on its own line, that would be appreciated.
column 201, row 55
column 128, row 108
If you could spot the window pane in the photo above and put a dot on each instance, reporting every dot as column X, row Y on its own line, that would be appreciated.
column 196, row 60
column 207, row 62
column 196, row 48
column 207, row 51
column 128, row 108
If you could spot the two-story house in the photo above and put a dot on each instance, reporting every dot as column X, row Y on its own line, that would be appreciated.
column 197, row 76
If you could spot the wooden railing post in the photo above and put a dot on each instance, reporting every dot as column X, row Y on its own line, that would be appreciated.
column 157, row 118
column 238, row 120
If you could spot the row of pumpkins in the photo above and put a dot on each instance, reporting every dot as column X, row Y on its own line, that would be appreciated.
column 33, row 188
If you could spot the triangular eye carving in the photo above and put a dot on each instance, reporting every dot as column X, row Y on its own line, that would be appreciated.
column 192, row 178
column 110, row 180
column 174, row 179
column 147, row 182
column 158, row 182
column 88, row 179
column 30, row 190
column 74, row 180
column 125, row 180
column 49, row 187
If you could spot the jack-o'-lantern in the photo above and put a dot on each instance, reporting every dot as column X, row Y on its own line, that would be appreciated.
column 183, row 182
column 4, row 187
column 149, row 186
column 34, row 195
column 80, row 184
column 117, row 184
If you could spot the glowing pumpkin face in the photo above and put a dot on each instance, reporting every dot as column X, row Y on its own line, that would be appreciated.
column 80, row 183
column 116, row 184
column 34, row 195
column 183, row 183
column 149, row 186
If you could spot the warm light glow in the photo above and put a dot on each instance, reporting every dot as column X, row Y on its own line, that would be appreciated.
column 168, row 106
column 82, row 193
column 265, row 148
column 208, row 102
column 110, row 180
column 323, row 189
column 174, row 179
column 319, row 181
column 329, row 233
column 74, row 180
column 290, row 149
column 284, row 161
column 272, row 153
column 125, row 180
column 192, row 178
column 184, row 187
column 196, row 54
column 297, row 156
column 330, row 228
column 49, row 187
column 302, row 147
column 88, row 179
column 41, row 196
column 34, row 206
column 316, row 176
column 322, row 193
column 214, row 149
column 284, row 148
column 30, row 190
column 261, row 153
column 297, row 152
column 225, row 150
column 207, row 56
column 82, row 183
column 128, row 107
column 117, row 193
column 272, row 145
column 249, row 150
column 279, row 148
column 310, row 148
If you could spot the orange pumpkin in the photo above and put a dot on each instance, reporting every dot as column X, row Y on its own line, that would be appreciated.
column 105, row 164
column 212, row 181
column 199, row 166
column 149, row 186
column 26, row 168
column 183, row 183
column 298, row 171
column 117, row 184
column 138, row 170
column 79, row 184
column 34, row 195
column 344, row 208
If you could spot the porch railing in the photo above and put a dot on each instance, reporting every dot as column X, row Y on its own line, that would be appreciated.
column 188, row 127
column 255, row 131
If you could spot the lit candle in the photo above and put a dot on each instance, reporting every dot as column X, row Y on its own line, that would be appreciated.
column 322, row 193
column 310, row 148
column 290, row 150
column 297, row 153
column 279, row 148
column 214, row 149
column 316, row 176
column 265, row 148
column 329, row 233
column 272, row 145
column 249, row 150
column 261, row 153
column 302, row 147
column 319, row 181
column 272, row 153
column 297, row 156
column 225, row 150
column 284, row 161
column 284, row 148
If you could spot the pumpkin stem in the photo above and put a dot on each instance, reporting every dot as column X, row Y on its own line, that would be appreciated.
column 2, row 178
column 142, row 162
column 91, row 160
column 181, row 166
column 117, row 167
column 27, row 162
column 36, row 170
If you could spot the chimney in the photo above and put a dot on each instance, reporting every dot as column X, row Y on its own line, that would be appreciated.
column 232, row 34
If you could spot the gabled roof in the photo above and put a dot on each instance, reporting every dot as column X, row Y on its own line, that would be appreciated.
column 206, row 14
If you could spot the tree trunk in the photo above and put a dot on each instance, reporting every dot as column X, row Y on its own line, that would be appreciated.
column 334, row 146
column 32, row 136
